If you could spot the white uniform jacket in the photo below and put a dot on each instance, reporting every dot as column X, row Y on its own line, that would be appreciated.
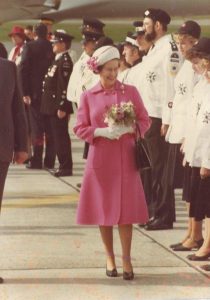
column 192, row 114
column 74, row 86
column 73, row 55
column 123, row 75
column 183, row 83
column 155, row 80
column 130, row 76
column 200, row 144
column 82, row 79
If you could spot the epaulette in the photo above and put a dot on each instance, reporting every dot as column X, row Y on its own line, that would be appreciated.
column 174, row 46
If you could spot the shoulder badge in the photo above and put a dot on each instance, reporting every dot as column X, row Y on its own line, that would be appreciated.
column 174, row 59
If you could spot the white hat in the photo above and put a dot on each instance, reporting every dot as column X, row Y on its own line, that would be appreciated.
column 101, row 56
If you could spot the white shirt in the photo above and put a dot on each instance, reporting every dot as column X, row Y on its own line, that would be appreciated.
column 200, row 144
column 184, row 84
column 58, row 56
column 18, row 57
column 155, row 77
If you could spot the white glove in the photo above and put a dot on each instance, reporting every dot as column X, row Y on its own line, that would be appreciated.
column 124, row 129
column 109, row 133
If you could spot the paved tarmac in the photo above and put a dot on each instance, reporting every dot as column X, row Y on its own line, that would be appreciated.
column 46, row 255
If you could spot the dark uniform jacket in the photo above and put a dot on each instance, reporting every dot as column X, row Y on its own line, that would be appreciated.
column 3, row 51
column 55, row 86
column 36, row 58
column 13, row 129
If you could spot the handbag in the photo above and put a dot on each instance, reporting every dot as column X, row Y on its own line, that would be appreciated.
column 143, row 160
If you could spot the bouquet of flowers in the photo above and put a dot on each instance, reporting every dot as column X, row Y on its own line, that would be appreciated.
column 120, row 115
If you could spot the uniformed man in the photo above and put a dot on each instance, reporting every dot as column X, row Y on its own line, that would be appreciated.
column 81, row 77
column 160, row 67
column 133, row 55
column 54, row 101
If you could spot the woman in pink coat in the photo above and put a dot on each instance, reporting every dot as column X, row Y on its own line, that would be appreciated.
column 112, row 192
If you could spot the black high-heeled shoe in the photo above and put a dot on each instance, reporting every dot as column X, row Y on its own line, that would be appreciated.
column 205, row 268
column 111, row 273
column 181, row 247
column 194, row 257
column 128, row 275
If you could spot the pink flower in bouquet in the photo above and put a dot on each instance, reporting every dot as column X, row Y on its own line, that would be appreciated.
column 93, row 64
column 120, row 116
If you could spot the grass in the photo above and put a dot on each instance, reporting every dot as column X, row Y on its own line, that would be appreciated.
column 116, row 31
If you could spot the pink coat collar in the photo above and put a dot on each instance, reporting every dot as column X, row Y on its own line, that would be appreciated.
column 98, row 87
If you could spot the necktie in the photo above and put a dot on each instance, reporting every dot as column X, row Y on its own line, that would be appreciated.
column 16, row 53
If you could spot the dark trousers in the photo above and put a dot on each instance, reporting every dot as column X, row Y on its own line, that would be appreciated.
column 200, row 196
column 62, row 141
column 158, row 150
column 3, row 173
column 172, row 178
column 41, row 134
column 146, row 178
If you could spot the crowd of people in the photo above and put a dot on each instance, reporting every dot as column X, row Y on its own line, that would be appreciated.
column 167, row 79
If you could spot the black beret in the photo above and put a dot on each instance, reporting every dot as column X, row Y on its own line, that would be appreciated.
column 157, row 15
column 61, row 35
column 202, row 47
column 139, row 28
column 191, row 28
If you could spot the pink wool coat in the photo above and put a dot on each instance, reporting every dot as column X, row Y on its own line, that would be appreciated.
column 112, row 191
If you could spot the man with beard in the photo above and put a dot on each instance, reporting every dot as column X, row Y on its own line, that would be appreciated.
column 159, row 69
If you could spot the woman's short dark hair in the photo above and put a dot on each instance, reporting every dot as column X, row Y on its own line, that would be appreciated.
column 29, row 27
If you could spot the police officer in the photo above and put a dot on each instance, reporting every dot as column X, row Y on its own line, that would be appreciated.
column 81, row 77
column 161, row 65
column 54, row 101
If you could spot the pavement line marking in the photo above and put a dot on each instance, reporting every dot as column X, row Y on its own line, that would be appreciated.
column 40, row 201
